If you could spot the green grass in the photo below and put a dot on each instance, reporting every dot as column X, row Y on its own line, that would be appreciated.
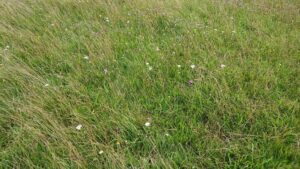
column 70, row 62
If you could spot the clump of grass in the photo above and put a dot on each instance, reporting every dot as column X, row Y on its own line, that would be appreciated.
column 163, row 84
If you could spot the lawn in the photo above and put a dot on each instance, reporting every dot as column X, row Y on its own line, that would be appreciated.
column 150, row 84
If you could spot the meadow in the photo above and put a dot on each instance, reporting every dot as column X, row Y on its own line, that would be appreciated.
column 150, row 84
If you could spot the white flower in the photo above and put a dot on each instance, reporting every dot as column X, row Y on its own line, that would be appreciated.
column 147, row 124
column 106, row 19
column 233, row 31
column 128, row 22
column 105, row 71
column 157, row 48
column 86, row 57
column 193, row 66
column 150, row 68
column 147, row 63
column 179, row 66
column 216, row 29
column 101, row 152
column 78, row 127
column 46, row 85
column 167, row 134
column 222, row 66
column 6, row 48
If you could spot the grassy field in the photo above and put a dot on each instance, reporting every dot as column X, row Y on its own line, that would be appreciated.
column 150, row 84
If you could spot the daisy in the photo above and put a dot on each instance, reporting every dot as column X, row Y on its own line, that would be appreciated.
column 147, row 124
column 78, row 127
column 105, row 71
column 6, row 48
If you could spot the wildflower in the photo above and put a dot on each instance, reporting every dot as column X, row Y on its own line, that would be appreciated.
column 78, row 127
column 128, row 22
column 150, row 68
column 147, row 124
column 223, row 66
column 167, row 134
column 147, row 63
column 105, row 71
column 216, row 29
column 46, row 85
column 157, row 48
column 193, row 66
column 106, row 19
column 233, row 31
column 86, row 57
column 6, row 48
column 179, row 66
column 101, row 152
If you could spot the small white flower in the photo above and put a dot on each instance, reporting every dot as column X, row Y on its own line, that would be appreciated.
column 147, row 63
column 106, row 19
column 147, row 124
column 167, row 134
column 6, row 48
column 52, row 24
column 216, row 29
column 46, row 85
column 78, row 127
column 193, row 66
column 101, row 152
column 86, row 57
column 233, row 31
column 105, row 71
column 150, row 68
column 222, row 66
column 179, row 66
column 128, row 22
column 157, row 48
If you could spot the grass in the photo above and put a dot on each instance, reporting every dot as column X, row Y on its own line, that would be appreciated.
column 66, row 63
